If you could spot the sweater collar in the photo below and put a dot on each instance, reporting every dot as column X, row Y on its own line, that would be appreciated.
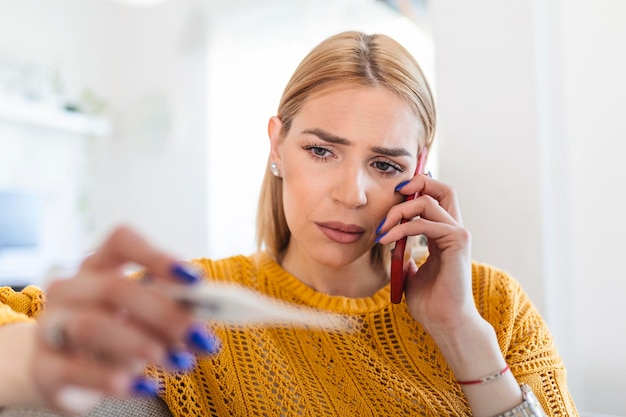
column 290, row 288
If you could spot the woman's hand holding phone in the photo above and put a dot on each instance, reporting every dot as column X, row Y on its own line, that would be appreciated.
column 439, row 292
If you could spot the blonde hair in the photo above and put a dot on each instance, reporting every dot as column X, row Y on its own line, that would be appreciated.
column 349, row 58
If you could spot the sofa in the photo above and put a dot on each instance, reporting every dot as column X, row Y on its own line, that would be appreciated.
column 109, row 407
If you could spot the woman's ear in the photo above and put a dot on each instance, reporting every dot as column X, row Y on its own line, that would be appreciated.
column 274, row 129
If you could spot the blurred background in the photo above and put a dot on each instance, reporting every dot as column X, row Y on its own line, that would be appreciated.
column 154, row 114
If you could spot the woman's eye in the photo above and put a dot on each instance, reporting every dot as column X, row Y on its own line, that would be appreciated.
column 318, row 151
column 387, row 167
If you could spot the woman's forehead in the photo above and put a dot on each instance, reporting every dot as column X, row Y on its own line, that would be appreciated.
column 361, row 112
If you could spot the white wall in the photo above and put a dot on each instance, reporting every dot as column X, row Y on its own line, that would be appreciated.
column 152, row 173
column 63, row 36
column 593, row 39
column 150, row 67
column 530, row 97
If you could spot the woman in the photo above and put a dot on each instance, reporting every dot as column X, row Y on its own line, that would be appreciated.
column 345, row 143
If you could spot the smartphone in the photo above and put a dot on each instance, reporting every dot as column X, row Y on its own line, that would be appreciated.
column 397, row 253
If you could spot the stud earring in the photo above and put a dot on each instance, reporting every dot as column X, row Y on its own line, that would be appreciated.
column 275, row 169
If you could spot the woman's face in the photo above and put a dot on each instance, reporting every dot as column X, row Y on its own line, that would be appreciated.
column 345, row 153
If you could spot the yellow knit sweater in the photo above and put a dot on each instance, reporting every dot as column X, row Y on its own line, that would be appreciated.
column 389, row 366
column 16, row 307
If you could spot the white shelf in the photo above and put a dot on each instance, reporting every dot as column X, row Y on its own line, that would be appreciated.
column 19, row 111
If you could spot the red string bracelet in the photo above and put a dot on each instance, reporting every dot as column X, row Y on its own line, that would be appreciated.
column 487, row 379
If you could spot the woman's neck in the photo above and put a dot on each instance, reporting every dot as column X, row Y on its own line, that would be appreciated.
column 357, row 279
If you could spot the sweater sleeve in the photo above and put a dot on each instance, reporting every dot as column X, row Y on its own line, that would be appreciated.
column 525, row 340
column 25, row 305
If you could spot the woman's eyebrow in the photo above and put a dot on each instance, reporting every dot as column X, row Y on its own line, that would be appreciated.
column 327, row 136
column 391, row 152
column 331, row 138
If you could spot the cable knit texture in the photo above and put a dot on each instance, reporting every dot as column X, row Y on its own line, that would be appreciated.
column 20, row 306
column 388, row 366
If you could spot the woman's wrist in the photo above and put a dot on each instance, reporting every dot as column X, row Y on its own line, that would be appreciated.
column 470, row 347
column 16, row 385
column 472, row 351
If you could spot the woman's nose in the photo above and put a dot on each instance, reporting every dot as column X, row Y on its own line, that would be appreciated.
column 350, row 188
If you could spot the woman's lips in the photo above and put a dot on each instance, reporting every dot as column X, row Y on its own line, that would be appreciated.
column 340, row 232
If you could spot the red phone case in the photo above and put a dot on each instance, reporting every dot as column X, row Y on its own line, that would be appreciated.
column 397, row 253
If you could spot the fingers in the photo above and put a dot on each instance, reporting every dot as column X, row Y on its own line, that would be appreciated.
column 436, row 203
column 447, row 236
column 90, row 333
column 90, row 338
column 424, row 206
column 77, row 370
column 148, row 308
column 101, row 284
column 117, row 318
column 441, row 192
column 427, row 208
column 124, row 246
column 75, row 384
column 100, row 329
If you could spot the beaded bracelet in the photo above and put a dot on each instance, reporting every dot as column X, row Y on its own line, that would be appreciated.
column 487, row 379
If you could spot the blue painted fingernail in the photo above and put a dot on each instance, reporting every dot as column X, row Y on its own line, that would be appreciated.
column 379, row 237
column 198, row 338
column 181, row 360
column 402, row 184
column 430, row 175
column 185, row 274
column 380, row 226
column 145, row 387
